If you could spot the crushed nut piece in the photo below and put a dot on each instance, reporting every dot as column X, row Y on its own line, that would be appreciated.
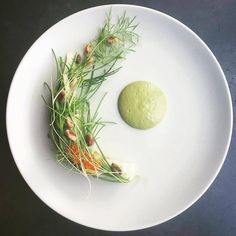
column 71, row 135
column 116, row 169
column 69, row 122
column 88, row 49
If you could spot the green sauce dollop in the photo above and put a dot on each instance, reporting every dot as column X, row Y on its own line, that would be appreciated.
column 142, row 105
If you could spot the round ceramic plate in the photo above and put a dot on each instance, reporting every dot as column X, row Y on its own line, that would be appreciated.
column 176, row 161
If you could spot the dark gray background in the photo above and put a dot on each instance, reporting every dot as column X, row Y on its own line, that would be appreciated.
column 21, row 23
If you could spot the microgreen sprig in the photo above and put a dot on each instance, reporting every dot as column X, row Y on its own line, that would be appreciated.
column 74, row 127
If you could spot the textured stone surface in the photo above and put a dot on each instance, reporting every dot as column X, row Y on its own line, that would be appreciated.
column 21, row 212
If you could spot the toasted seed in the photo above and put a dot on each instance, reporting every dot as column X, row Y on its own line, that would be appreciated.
column 89, row 139
column 62, row 95
column 69, row 122
column 90, row 61
column 116, row 169
column 71, row 135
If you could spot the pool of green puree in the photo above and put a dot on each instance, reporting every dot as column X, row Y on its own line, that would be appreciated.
column 142, row 104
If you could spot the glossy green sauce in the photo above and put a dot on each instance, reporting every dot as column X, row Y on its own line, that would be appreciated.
column 142, row 105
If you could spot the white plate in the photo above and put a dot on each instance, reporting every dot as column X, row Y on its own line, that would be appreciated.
column 177, row 160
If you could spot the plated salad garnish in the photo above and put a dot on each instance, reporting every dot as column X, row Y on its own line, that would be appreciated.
column 74, row 126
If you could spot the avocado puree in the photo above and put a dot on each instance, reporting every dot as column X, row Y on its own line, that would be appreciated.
column 142, row 105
